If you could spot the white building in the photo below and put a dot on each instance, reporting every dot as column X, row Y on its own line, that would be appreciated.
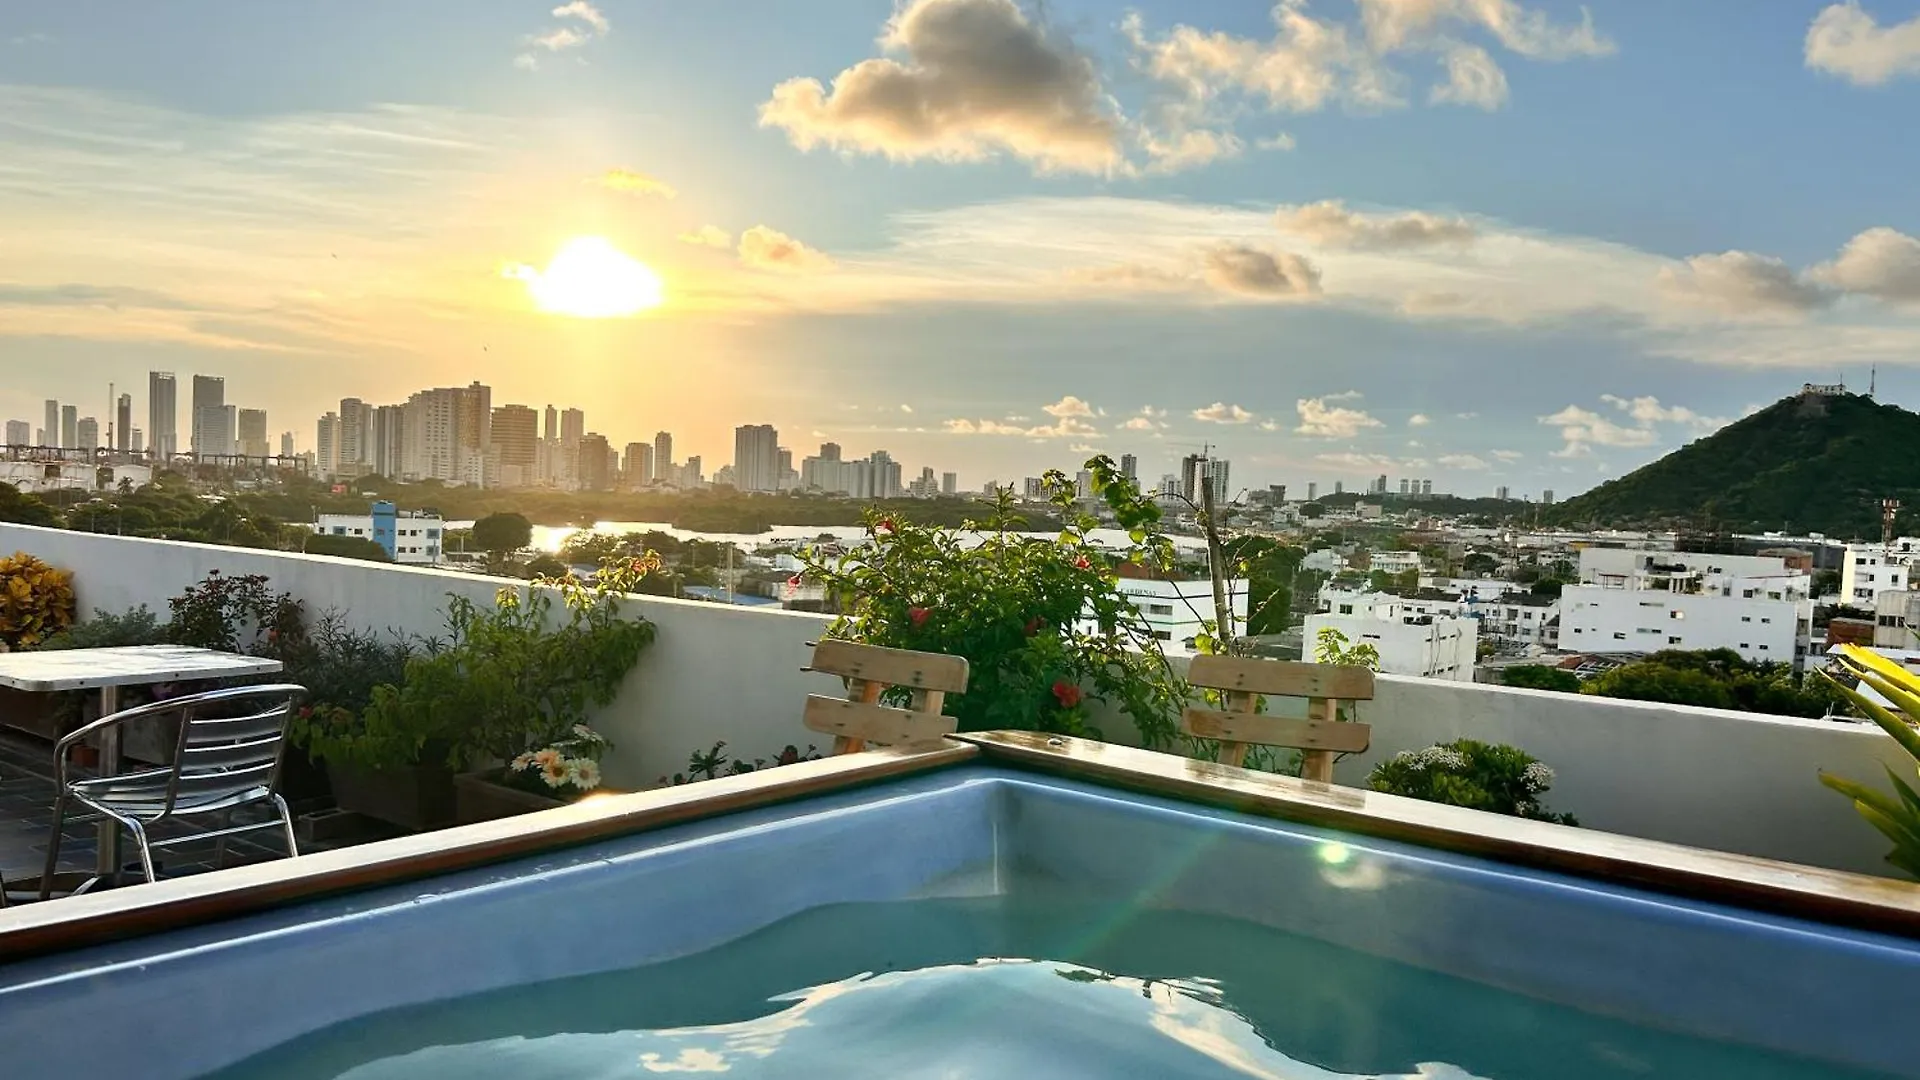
column 1896, row 616
column 1431, row 646
column 1175, row 610
column 1871, row 569
column 409, row 536
column 1394, row 562
column 1765, row 619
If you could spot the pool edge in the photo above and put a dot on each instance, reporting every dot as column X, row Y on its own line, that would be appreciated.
column 37, row 929
column 1830, row 897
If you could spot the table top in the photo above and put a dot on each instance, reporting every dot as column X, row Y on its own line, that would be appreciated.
column 131, row 665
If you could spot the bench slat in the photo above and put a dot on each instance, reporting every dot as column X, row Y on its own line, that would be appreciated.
column 1282, row 678
column 865, row 722
column 1344, row 738
column 893, row 667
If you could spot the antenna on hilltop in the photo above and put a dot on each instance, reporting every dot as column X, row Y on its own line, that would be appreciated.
column 1873, row 379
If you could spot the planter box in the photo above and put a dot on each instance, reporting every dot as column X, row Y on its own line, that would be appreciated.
column 417, row 797
column 35, row 714
column 478, row 798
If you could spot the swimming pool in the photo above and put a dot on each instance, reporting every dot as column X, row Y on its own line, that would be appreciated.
column 1017, row 909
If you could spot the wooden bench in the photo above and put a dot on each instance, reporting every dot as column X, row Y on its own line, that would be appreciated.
column 1243, row 679
column 871, row 670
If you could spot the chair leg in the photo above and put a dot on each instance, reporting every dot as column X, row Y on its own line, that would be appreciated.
column 53, row 845
column 286, row 823
column 220, row 845
column 146, row 853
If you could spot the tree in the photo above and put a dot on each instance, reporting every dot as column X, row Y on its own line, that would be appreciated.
column 1719, row 679
column 1312, row 510
column 346, row 547
column 25, row 508
column 1826, row 582
column 502, row 534
column 1479, row 562
column 1547, row 587
column 1541, row 677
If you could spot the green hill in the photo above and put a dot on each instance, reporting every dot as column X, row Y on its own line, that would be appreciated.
column 1807, row 463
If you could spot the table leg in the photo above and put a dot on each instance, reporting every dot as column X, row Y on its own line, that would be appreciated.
column 107, row 856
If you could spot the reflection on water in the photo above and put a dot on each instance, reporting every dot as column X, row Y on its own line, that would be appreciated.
column 1071, row 986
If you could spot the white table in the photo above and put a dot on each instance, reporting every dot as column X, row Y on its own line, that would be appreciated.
column 107, row 670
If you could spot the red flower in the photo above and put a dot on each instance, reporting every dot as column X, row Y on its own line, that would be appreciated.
column 1081, row 563
column 1066, row 693
column 884, row 525
column 918, row 615
column 1033, row 626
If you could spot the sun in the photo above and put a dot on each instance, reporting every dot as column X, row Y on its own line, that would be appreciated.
column 589, row 278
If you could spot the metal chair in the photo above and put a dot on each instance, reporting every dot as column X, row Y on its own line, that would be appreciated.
column 227, row 756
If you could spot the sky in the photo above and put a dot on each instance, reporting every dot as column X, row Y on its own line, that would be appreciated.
column 1517, row 243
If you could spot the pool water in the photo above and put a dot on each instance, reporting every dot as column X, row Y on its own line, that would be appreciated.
column 1029, row 984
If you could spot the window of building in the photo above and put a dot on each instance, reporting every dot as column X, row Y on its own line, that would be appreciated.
column 1676, row 614
column 1346, row 609
column 1764, row 619
column 1619, row 635
column 1159, row 609
column 1163, row 635
column 1860, row 561
column 1744, row 645
column 1673, row 641
column 1651, row 603
column 339, row 530
column 1746, row 618
column 433, row 534
column 1763, row 648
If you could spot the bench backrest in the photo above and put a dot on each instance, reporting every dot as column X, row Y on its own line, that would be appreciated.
column 870, row 670
column 1242, row 680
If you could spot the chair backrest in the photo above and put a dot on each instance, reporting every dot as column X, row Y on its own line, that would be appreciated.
column 870, row 670
column 1243, row 679
column 229, row 747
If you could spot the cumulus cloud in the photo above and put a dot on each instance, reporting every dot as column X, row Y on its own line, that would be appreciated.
column 1310, row 63
column 1472, row 79
column 1394, row 25
column 708, row 236
column 1068, row 406
column 1879, row 262
column 1222, row 413
column 1583, row 429
column 1647, row 411
column 1508, row 455
column 771, row 249
column 630, row 182
column 1845, row 40
column 592, row 24
column 1419, row 420
column 1742, row 283
column 1249, row 271
column 965, row 79
column 1321, row 419
column 1065, row 427
column 1137, row 423
column 1330, row 224
column 1462, row 461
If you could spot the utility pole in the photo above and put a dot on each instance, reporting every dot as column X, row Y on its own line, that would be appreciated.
column 1888, row 508
column 1222, row 614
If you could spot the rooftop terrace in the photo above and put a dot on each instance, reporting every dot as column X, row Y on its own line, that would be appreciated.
column 1732, row 782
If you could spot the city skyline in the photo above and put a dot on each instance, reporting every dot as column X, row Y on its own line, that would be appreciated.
column 1497, row 243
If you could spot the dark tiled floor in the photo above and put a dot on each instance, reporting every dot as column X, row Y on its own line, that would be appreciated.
column 26, row 825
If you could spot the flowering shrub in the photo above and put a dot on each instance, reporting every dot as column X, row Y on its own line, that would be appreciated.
column 569, row 767
column 1480, row 776
column 1042, row 622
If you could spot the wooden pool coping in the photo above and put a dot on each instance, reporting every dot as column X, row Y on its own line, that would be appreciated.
column 1825, row 896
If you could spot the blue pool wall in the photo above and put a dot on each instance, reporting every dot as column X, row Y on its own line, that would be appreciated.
column 187, row 1002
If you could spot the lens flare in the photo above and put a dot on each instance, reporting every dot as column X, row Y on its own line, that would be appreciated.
column 589, row 278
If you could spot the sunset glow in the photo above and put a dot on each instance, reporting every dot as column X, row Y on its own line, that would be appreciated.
column 589, row 278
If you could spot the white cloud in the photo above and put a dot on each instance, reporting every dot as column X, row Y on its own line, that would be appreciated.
column 585, row 12
column 1331, row 224
column 1321, row 420
column 1068, row 406
column 1462, row 461
column 1465, row 415
column 1647, row 411
column 1282, row 141
column 1418, row 420
column 1401, row 24
column 1508, row 455
column 630, row 182
column 1879, row 262
column 527, row 62
column 972, row 78
column 1137, row 423
column 1472, row 79
column 1349, row 459
column 771, row 249
column 708, row 236
column 1065, row 427
column 1222, row 413
column 1583, row 429
column 1249, row 271
column 1845, row 40
column 1742, row 283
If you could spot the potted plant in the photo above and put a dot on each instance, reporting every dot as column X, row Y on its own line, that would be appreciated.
column 553, row 775
column 1493, row 777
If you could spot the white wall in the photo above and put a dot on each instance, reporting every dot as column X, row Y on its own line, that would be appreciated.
column 1706, row 777
column 715, row 672
column 1439, row 649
